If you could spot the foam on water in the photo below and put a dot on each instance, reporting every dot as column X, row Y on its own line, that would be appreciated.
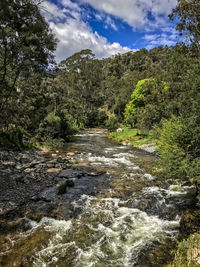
column 128, row 155
column 121, row 158
column 148, row 176
column 117, row 242
column 116, row 148
column 96, row 133
column 103, row 159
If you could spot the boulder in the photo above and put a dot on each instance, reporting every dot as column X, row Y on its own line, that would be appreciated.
column 54, row 170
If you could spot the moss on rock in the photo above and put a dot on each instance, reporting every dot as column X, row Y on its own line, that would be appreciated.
column 62, row 188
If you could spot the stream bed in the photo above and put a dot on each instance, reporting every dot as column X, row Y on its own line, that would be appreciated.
column 130, row 218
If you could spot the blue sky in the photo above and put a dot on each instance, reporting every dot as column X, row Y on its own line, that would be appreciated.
column 109, row 27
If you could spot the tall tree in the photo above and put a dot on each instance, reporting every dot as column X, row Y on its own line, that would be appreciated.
column 81, row 75
column 26, row 47
column 188, row 14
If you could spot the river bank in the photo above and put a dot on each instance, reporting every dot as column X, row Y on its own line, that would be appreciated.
column 30, row 183
column 131, row 137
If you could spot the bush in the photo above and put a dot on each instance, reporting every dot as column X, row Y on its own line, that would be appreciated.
column 68, row 125
column 50, row 126
column 59, row 126
column 15, row 139
column 96, row 118
column 112, row 123
column 187, row 252
column 178, row 146
column 170, row 148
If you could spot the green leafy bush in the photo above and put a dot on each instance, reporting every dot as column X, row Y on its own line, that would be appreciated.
column 112, row 123
column 187, row 254
column 96, row 118
column 146, row 107
column 178, row 146
column 59, row 126
column 15, row 139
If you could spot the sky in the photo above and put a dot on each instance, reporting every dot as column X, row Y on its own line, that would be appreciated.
column 109, row 27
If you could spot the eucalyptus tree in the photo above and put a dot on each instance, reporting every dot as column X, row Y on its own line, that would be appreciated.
column 188, row 14
column 81, row 76
column 26, row 48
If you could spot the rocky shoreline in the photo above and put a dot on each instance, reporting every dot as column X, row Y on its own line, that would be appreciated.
column 149, row 148
column 30, row 181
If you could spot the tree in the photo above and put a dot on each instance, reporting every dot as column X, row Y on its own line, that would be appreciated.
column 179, row 137
column 178, row 146
column 81, row 76
column 62, row 115
column 26, row 48
column 147, row 106
column 188, row 14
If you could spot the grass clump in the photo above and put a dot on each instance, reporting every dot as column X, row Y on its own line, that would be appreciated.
column 133, row 136
column 188, row 252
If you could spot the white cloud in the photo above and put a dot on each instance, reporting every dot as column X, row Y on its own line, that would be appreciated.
column 128, row 10
column 51, row 11
column 168, row 36
column 163, row 6
column 71, row 5
column 110, row 23
column 74, row 34
column 134, row 12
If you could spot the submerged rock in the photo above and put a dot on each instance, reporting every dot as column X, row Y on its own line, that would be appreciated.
column 54, row 170
column 62, row 188
column 148, row 148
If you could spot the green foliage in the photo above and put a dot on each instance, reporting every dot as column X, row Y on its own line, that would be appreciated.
column 187, row 13
column 26, row 48
column 134, row 137
column 53, row 120
column 146, row 107
column 137, row 101
column 112, row 123
column 102, row 117
column 179, row 157
column 15, row 139
column 187, row 254
column 81, row 76
column 51, row 142
column 57, row 126
column 96, row 118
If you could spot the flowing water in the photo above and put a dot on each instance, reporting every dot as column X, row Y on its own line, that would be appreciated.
column 131, row 222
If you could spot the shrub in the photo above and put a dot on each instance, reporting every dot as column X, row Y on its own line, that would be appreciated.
column 178, row 146
column 96, row 118
column 15, row 139
column 59, row 126
column 112, row 123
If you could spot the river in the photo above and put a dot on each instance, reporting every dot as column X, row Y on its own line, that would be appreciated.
column 132, row 221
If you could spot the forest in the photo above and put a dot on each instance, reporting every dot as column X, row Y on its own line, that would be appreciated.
column 156, row 90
